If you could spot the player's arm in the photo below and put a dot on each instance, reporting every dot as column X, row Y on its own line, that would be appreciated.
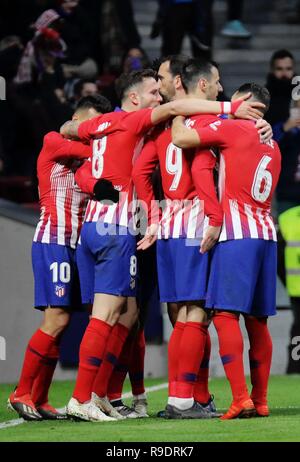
column 73, row 129
column 98, row 188
column 142, row 178
column 62, row 148
column 70, row 129
column 202, row 172
column 240, row 108
column 215, row 134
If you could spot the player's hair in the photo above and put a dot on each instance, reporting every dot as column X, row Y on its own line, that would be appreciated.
column 281, row 54
column 129, row 80
column 176, row 63
column 97, row 102
column 194, row 70
column 259, row 93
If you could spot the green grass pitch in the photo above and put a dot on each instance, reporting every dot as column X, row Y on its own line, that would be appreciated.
column 282, row 425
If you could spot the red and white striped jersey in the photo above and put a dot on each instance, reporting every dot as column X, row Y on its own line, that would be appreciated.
column 117, row 139
column 248, row 175
column 62, row 203
column 183, row 212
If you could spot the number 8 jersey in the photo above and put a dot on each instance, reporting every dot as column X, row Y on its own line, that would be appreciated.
column 248, row 175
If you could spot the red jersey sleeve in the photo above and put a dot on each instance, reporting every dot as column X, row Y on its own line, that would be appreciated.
column 202, row 172
column 138, row 122
column 85, row 179
column 217, row 133
column 142, row 178
column 59, row 147
column 89, row 128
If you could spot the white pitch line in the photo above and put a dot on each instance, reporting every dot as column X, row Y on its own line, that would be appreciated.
column 15, row 422
column 162, row 386
column 11, row 423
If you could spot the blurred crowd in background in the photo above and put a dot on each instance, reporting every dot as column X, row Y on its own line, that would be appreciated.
column 52, row 52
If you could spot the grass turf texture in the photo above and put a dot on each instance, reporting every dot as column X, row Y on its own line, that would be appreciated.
column 282, row 425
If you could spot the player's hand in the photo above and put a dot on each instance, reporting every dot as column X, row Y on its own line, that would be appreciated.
column 210, row 238
column 149, row 238
column 291, row 123
column 104, row 190
column 249, row 110
column 264, row 130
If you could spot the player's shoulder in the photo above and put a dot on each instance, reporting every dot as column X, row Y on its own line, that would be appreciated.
column 201, row 120
column 105, row 123
column 273, row 147
column 52, row 137
column 51, row 142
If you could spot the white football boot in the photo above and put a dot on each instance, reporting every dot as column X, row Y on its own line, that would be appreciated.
column 86, row 411
column 139, row 405
column 105, row 406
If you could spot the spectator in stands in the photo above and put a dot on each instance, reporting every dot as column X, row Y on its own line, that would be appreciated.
column 284, row 116
column 41, row 53
column 11, row 50
column 234, row 28
column 17, row 15
column 177, row 18
column 119, row 34
column 285, row 122
column 85, row 87
column 77, row 88
column 37, row 102
column 77, row 33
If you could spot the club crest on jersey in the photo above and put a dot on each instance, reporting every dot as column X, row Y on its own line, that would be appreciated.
column 103, row 126
column 60, row 291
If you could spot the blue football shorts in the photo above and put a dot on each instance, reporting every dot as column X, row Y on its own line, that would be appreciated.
column 56, row 281
column 243, row 277
column 182, row 270
column 106, row 261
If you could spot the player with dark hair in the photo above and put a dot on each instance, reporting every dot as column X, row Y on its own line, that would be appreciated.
column 243, row 269
column 109, row 279
column 53, row 258
column 182, row 271
column 127, row 82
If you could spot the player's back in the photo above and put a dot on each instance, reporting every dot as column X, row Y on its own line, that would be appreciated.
column 116, row 138
column 175, row 167
column 62, row 203
column 249, row 172
column 184, row 214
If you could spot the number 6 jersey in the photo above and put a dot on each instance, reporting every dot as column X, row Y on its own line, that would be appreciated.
column 248, row 175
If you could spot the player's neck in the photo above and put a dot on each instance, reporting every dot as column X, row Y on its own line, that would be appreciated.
column 179, row 94
column 128, row 107
column 197, row 95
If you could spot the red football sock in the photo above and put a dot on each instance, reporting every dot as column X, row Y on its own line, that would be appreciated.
column 190, row 355
column 37, row 350
column 115, row 344
column 231, row 347
column 43, row 381
column 117, row 379
column 260, row 356
column 91, row 352
column 173, row 348
column 136, row 364
column 201, row 391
